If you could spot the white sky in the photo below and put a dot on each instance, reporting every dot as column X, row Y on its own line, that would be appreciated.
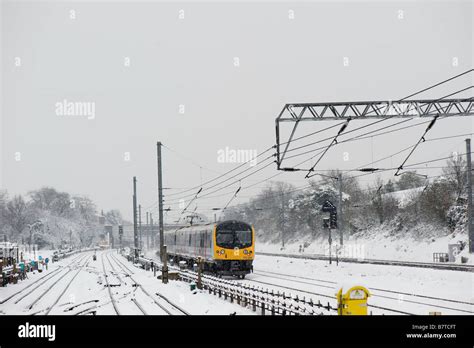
column 190, row 61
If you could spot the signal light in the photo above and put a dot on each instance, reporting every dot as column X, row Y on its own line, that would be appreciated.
column 333, row 220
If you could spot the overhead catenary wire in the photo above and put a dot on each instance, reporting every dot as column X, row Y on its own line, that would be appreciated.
column 343, row 170
column 224, row 174
column 232, row 198
column 221, row 188
column 382, row 120
column 422, row 139
column 432, row 86
column 340, row 132
column 334, row 141
column 411, row 166
column 369, row 125
column 229, row 178
column 191, row 201
column 354, row 138
column 259, row 199
column 189, row 159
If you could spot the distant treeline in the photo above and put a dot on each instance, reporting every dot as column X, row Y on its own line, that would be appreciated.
column 47, row 217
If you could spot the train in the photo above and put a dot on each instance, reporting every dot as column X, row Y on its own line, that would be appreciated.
column 225, row 248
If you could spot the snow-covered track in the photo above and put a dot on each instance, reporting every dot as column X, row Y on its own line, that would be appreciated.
column 114, row 304
column 38, row 282
column 55, row 283
column 439, row 266
column 67, row 286
column 442, row 303
column 275, row 303
column 289, row 276
column 174, row 307
column 268, row 301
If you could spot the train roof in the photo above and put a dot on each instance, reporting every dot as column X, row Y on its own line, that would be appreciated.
column 199, row 227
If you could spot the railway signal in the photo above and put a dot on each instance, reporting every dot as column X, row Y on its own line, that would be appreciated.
column 328, row 207
column 333, row 220
column 120, row 233
column 330, row 223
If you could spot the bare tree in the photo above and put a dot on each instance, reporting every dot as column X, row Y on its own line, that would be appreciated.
column 113, row 217
column 17, row 214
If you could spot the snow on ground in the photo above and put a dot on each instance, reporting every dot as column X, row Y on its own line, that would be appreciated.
column 87, row 290
column 446, row 284
column 310, row 278
column 375, row 246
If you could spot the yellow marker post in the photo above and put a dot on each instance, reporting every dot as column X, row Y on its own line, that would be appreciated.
column 353, row 301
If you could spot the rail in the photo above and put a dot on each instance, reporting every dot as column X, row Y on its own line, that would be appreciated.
column 439, row 266
column 265, row 300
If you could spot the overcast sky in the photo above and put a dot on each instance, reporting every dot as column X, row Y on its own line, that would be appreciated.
column 151, row 75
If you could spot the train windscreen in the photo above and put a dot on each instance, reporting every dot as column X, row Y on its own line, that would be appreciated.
column 233, row 234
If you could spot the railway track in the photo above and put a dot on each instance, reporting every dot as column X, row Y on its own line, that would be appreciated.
column 438, row 266
column 112, row 299
column 43, row 292
column 81, row 267
column 170, row 308
column 371, row 288
column 40, row 281
column 271, row 301
column 443, row 303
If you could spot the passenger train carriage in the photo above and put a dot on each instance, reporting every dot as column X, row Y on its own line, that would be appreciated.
column 227, row 247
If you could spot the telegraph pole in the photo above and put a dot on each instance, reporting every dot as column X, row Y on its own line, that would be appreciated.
column 152, row 233
column 135, row 232
column 470, row 221
column 140, row 224
column 340, row 222
column 147, row 229
column 160, row 198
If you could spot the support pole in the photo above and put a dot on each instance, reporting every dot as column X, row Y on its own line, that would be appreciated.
column 340, row 222
column 140, row 225
column 330, row 246
column 147, row 231
column 470, row 221
column 199, row 280
column 160, row 199
column 152, row 231
column 164, row 270
column 135, row 230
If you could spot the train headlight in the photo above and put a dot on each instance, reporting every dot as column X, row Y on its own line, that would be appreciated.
column 246, row 252
column 222, row 252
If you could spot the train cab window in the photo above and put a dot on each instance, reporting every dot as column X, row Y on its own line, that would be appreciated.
column 234, row 234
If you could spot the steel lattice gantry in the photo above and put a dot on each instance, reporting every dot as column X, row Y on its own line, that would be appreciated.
column 299, row 112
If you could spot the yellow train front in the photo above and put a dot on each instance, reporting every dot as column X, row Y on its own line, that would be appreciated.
column 227, row 247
